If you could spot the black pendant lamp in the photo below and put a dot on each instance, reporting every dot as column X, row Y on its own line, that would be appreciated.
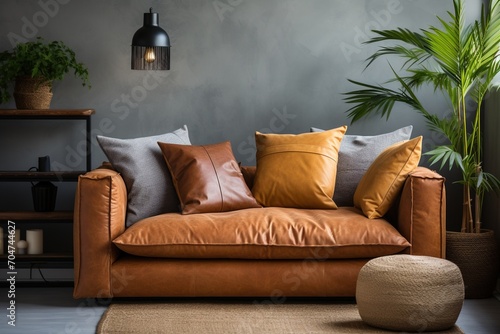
column 150, row 45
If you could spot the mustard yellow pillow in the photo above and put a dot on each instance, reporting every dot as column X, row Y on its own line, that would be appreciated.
column 380, row 185
column 297, row 171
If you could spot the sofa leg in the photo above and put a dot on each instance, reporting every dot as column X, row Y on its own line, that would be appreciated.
column 102, row 301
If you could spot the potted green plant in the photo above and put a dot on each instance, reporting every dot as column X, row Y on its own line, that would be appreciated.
column 32, row 66
column 460, row 61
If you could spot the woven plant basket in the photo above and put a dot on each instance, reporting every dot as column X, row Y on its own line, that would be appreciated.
column 476, row 254
column 32, row 93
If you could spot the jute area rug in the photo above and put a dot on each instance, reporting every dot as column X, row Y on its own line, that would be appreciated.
column 235, row 317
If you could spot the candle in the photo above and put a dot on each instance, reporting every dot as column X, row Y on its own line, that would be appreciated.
column 35, row 241
column 22, row 245
column 1, row 241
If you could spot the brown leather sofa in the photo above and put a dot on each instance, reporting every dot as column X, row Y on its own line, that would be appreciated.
column 266, row 252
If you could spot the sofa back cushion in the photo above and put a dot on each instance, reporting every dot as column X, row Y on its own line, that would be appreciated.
column 248, row 174
column 265, row 233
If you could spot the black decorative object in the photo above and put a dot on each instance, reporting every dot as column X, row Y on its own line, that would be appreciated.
column 44, row 164
column 44, row 193
column 150, row 45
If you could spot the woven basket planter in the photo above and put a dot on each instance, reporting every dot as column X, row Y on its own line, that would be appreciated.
column 32, row 93
column 476, row 254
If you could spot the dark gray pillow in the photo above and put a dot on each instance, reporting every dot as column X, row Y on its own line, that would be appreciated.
column 356, row 154
column 141, row 164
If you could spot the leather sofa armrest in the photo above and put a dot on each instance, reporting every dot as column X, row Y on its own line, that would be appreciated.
column 422, row 213
column 99, row 217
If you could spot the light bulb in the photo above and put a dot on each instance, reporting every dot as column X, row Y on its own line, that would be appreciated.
column 149, row 55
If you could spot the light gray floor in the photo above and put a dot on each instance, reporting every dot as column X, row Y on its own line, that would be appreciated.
column 53, row 310
column 49, row 310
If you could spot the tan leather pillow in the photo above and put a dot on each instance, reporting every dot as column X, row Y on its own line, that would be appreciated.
column 207, row 178
column 297, row 171
column 380, row 185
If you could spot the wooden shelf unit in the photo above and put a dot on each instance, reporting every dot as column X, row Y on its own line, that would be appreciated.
column 28, row 217
column 54, row 114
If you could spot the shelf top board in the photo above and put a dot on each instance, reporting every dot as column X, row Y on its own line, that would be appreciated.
column 46, row 112
column 41, row 176
column 35, row 215
column 41, row 257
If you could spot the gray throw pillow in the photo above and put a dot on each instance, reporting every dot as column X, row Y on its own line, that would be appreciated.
column 356, row 154
column 141, row 164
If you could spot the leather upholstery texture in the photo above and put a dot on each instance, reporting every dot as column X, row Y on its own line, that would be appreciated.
column 99, row 217
column 297, row 171
column 264, row 233
column 102, row 270
column 207, row 178
column 380, row 186
column 422, row 213
column 274, row 279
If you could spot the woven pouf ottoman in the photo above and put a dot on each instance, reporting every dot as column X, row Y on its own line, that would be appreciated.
column 410, row 293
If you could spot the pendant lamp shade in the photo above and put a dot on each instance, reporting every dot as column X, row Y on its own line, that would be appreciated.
column 150, row 45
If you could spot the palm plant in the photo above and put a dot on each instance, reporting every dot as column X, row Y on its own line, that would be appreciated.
column 458, row 60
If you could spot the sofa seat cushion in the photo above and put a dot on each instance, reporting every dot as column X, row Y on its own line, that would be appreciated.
column 263, row 233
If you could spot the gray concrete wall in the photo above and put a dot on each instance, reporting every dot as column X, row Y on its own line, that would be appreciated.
column 237, row 66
